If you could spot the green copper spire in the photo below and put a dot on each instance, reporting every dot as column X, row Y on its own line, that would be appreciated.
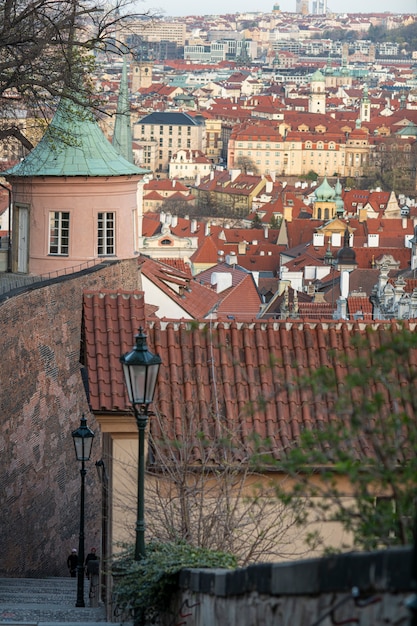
column 74, row 145
column 122, row 136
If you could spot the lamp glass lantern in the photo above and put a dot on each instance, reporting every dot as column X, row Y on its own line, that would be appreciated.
column 140, row 368
column 83, row 440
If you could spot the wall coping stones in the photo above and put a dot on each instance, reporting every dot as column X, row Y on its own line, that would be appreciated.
column 382, row 570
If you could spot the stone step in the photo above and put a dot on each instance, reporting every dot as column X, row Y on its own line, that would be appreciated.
column 31, row 601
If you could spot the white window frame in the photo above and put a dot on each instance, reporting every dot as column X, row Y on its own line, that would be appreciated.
column 106, row 233
column 59, row 232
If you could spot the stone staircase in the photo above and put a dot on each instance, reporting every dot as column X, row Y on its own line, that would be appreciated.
column 34, row 601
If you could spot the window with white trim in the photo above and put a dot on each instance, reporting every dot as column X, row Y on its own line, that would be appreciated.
column 59, row 232
column 105, row 233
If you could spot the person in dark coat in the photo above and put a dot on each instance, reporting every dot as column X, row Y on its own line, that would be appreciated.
column 72, row 563
column 91, row 556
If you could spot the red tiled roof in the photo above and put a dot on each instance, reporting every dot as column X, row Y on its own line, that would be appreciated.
column 180, row 265
column 360, row 305
column 242, row 374
column 207, row 252
column 165, row 184
column 194, row 299
column 315, row 310
column 110, row 321
column 153, row 195
column 242, row 302
column 366, row 256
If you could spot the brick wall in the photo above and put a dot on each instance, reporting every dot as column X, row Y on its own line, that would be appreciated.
column 42, row 398
column 362, row 588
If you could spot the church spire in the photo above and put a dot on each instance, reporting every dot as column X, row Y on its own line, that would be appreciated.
column 122, row 135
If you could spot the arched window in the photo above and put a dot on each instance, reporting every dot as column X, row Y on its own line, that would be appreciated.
column 166, row 242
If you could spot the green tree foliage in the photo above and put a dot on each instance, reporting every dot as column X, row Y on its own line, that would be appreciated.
column 311, row 175
column 256, row 222
column 378, row 34
column 370, row 439
column 146, row 586
column 275, row 221
column 392, row 166
column 403, row 34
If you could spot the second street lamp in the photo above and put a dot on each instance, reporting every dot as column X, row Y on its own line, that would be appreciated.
column 140, row 368
column 83, row 442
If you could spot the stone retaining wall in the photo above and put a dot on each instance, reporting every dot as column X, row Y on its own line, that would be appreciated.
column 359, row 588
column 42, row 398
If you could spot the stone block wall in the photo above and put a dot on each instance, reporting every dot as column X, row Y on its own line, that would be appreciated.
column 356, row 588
column 42, row 398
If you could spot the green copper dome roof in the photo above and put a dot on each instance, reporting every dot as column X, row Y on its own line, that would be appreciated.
column 74, row 145
column 317, row 77
column 324, row 192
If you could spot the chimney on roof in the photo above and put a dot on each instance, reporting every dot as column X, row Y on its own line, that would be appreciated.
column 173, row 182
column 207, row 229
column 231, row 258
column 222, row 280
column 211, row 174
column 341, row 310
column 363, row 215
column 344, row 284
column 288, row 213
column 193, row 225
column 268, row 187
column 233, row 174
column 197, row 179
column 162, row 217
column 266, row 231
column 273, row 176
column 174, row 221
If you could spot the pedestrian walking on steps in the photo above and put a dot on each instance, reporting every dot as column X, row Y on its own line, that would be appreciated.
column 91, row 556
column 72, row 563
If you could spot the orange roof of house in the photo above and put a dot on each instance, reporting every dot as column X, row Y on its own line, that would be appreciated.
column 179, row 264
column 243, row 374
column 194, row 298
column 241, row 302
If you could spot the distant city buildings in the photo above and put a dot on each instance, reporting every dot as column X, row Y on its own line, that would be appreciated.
column 162, row 134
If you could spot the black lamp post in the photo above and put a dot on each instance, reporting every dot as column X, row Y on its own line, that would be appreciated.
column 140, row 368
column 83, row 442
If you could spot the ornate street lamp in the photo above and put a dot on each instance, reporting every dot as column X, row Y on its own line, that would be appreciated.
column 83, row 442
column 140, row 368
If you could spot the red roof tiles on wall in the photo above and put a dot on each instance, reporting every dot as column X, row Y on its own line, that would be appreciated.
column 245, row 375
column 110, row 322
column 217, row 376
